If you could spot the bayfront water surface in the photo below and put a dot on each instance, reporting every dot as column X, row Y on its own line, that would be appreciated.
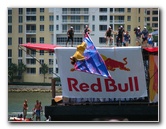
column 16, row 99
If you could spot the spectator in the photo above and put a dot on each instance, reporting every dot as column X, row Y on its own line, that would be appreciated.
column 120, row 35
column 150, row 40
column 144, row 36
column 108, row 36
column 86, row 30
column 70, row 36
column 138, row 37
column 126, row 40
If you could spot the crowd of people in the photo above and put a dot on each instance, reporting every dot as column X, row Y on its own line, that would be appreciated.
column 36, row 110
column 142, row 38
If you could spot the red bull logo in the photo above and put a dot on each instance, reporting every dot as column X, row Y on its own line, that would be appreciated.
column 112, row 65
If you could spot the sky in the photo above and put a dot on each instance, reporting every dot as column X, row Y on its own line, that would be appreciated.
column 73, row 3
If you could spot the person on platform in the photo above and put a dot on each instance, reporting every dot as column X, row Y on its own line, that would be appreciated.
column 108, row 36
column 87, row 30
column 70, row 36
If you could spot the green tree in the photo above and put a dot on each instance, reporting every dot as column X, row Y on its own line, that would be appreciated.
column 44, row 70
column 12, row 72
column 21, row 69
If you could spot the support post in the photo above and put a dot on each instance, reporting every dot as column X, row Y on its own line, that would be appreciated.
column 53, row 90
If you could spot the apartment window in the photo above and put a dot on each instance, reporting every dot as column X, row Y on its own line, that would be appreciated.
column 154, row 18
column 9, row 52
column 64, row 28
column 33, row 40
column 103, row 27
column 33, row 53
column 41, row 39
column 41, row 52
column 20, row 29
column 50, row 70
column 41, row 27
column 9, row 12
column 139, row 19
column 19, row 53
column 103, row 18
column 128, row 10
column 128, row 18
column 86, row 10
column 9, row 28
column 31, row 61
column 51, row 27
column 155, row 12
column 50, row 61
column 31, row 70
column 51, row 54
column 42, row 10
column 20, row 11
column 56, row 70
column 103, row 10
column 93, row 18
column 9, row 19
column 154, row 24
column 51, row 18
column 41, row 61
column 57, row 17
column 93, row 27
column 111, row 9
column 41, row 18
column 139, row 10
column 19, row 61
column 102, row 40
column 9, row 41
column 30, row 18
column 20, row 40
column 9, row 61
column 57, row 27
column 128, row 27
column 20, row 19
column 86, row 18
column 148, row 24
column 148, row 19
column 148, row 12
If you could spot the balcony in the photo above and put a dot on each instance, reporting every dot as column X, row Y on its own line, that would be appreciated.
column 75, row 21
column 118, row 21
column 75, row 12
column 31, row 13
column 30, row 31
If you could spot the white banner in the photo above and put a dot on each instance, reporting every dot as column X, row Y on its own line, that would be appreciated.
column 125, row 65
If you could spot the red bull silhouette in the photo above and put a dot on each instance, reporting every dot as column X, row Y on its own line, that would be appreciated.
column 112, row 65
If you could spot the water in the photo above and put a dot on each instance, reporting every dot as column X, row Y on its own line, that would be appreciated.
column 16, row 100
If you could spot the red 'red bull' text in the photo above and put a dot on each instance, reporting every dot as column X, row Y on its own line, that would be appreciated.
column 110, row 85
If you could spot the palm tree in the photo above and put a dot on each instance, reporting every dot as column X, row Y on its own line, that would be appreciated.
column 44, row 70
column 21, row 69
column 12, row 72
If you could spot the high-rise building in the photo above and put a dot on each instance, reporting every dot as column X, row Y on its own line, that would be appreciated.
column 50, row 25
